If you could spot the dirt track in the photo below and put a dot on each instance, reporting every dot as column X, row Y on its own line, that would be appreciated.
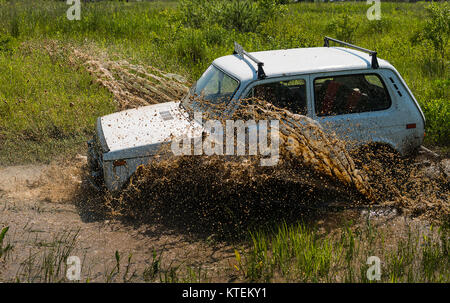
column 37, row 211
column 39, row 203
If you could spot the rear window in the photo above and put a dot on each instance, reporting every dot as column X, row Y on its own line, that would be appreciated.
column 346, row 94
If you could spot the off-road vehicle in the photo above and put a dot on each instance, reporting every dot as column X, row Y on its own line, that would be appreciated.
column 348, row 90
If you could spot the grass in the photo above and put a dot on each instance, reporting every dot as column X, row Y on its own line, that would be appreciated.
column 287, row 253
column 297, row 253
column 48, row 265
column 5, row 249
column 47, row 105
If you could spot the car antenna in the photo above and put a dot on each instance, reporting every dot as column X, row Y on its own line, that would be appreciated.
column 373, row 54
column 239, row 50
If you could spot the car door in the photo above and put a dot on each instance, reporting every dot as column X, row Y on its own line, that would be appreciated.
column 356, row 106
column 291, row 93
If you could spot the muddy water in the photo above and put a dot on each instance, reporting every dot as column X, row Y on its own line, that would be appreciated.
column 229, row 195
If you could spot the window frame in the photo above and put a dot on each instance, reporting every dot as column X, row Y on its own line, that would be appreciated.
column 227, row 102
column 304, row 77
column 364, row 72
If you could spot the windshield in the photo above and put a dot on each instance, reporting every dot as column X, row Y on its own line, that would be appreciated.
column 212, row 91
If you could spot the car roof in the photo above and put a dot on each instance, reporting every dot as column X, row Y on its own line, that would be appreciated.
column 285, row 62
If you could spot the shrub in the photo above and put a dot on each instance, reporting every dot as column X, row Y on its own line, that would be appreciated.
column 436, row 29
column 343, row 27
column 191, row 47
column 241, row 15
column 381, row 26
column 437, row 113
column 197, row 13
column 7, row 43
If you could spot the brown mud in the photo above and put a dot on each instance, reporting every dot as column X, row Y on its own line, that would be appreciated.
column 191, row 207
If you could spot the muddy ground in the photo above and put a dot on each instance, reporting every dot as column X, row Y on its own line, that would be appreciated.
column 47, row 206
column 43, row 204
column 38, row 210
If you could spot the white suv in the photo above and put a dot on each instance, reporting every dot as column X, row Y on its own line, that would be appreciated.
column 350, row 92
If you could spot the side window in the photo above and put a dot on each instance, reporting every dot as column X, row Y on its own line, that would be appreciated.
column 290, row 95
column 348, row 94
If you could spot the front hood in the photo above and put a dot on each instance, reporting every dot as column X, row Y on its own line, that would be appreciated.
column 140, row 132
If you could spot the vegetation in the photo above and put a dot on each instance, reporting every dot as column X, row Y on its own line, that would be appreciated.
column 300, row 253
column 288, row 253
column 49, row 105
column 4, row 248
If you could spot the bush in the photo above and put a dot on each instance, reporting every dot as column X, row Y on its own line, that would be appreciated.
column 241, row 15
column 191, row 47
column 437, row 112
column 197, row 13
column 381, row 26
column 343, row 27
column 8, row 43
column 436, row 29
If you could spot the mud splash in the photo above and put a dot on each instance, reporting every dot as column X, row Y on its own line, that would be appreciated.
column 417, row 185
column 132, row 85
column 305, row 143
column 229, row 195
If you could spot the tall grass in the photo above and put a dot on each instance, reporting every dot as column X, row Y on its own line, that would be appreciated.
column 5, row 249
column 184, row 38
column 49, row 264
column 298, row 253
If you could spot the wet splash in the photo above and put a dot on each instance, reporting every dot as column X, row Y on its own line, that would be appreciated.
column 231, row 194
column 132, row 85
column 214, row 194
column 305, row 143
column 418, row 185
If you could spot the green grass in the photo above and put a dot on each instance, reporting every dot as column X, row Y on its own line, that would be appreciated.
column 47, row 263
column 288, row 253
column 36, row 90
column 297, row 253
column 46, row 105
column 6, row 248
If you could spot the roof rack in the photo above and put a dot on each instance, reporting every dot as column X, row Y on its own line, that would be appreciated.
column 373, row 54
column 239, row 50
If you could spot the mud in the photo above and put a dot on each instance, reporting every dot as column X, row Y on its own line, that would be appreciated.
column 42, row 211
column 132, row 85
column 194, row 234
column 192, row 208
column 315, row 167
